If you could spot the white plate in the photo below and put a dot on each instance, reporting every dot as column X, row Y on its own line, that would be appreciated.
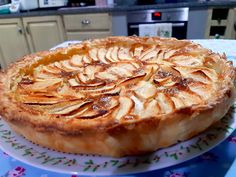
column 25, row 151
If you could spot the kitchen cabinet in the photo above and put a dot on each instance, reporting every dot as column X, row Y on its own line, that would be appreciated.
column 21, row 36
column 87, row 26
column 82, row 35
column 220, row 23
column 13, row 42
column 43, row 32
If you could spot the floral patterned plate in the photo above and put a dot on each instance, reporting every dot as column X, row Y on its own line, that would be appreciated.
column 82, row 164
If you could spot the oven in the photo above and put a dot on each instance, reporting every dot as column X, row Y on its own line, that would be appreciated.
column 178, row 17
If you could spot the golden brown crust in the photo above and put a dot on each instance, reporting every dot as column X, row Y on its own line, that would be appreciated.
column 195, row 84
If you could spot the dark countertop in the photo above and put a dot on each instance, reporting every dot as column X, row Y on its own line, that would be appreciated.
column 96, row 9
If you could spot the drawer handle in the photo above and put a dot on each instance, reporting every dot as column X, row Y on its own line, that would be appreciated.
column 19, row 29
column 85, row 22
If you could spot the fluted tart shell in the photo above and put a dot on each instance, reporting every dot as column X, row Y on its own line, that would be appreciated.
column 117, row 96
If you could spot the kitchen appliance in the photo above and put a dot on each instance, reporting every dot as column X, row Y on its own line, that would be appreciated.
column 3, row 2
column 14, row 7
column 26, row 4
column 81, row 3
column 52, row 3
column 5, row 9
column 178, row 17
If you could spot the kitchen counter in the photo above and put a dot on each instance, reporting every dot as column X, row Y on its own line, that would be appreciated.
column 96, row 9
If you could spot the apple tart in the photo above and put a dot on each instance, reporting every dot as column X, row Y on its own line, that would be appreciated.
column 117, row 96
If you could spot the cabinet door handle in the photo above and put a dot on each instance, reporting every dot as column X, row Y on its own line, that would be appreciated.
column 85, row 22
column 235, row 26
column 20, row 30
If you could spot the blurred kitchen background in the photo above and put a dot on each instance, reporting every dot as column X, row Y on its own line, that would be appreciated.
column 28, row 26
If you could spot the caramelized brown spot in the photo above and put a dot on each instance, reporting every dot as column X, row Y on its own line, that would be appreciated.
column 162, row 74
column 99, row 114
column 183, row 83
column 229, row 93
column 187, row 110
column 171, row 91
column 66, row 74
column 26, row 81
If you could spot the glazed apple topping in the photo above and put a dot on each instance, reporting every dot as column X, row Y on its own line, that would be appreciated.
column 124, row 79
